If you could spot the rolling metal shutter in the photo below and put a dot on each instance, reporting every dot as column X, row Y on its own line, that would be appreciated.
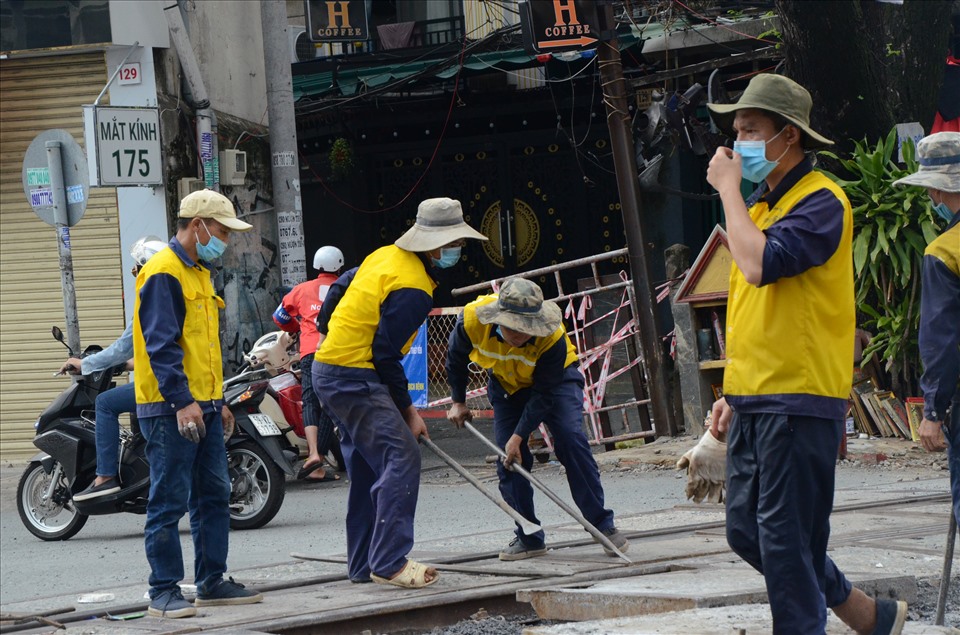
column 39, row 94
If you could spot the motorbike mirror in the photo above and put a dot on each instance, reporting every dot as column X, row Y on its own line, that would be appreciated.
column 57, row 334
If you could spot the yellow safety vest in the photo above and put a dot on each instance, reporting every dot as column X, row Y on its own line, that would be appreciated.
column 354, row 323
column 794, row 336
column 199, row 339
column 513, row 367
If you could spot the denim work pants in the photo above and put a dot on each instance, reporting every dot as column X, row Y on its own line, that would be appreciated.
column 185, row 474
column 109, row 406
column 383, row 463
column 780, row 481
column 565, row 422
column 952, row 432
column 313, row 414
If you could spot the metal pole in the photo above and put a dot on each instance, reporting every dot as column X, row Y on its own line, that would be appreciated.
column 625, row 164
column 525, row 525
column 61, row 218
column 596, row 533
column 283, row 142
column 947, row 566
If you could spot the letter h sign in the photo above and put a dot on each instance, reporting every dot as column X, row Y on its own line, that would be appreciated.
column 560, row 25
column 337, row 20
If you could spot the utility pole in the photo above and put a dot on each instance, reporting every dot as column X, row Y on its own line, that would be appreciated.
column 625, row 165
column 283, row 142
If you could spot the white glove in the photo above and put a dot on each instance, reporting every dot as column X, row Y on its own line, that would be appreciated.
column 706, row 465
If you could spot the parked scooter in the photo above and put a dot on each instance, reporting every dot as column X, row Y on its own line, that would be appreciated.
column 67, row 461
column 278, row 352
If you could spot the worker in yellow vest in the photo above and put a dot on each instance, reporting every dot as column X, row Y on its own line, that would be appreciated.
column 790, row 335
column 534, row 377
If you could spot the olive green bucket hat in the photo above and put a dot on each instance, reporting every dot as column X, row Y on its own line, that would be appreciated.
column 520, row 306
column 774, row 93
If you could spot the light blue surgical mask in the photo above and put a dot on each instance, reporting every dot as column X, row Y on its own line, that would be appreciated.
column 945, row 212
column 753, row 158
column 449, row 256
column 213, row 249
column 499, row 332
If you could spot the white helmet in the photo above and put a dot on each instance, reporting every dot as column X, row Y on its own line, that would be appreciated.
column 328, row 258
column 145, row 248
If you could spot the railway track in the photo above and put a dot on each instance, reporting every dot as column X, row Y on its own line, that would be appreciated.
column 475, row 580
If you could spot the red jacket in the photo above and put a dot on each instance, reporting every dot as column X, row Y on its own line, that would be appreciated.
column 299, row 309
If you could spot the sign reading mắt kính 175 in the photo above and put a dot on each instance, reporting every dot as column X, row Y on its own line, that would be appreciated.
column 127, row 145
column 336, row 20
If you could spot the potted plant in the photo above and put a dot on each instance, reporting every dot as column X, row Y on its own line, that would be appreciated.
column 892, row 226
column 341, row 157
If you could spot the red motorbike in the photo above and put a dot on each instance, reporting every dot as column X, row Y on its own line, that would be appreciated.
column 277, row 352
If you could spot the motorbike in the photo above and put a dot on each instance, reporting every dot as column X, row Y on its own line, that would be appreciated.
column 65, row 435
column 277, row 351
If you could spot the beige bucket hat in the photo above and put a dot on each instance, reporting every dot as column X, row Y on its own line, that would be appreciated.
column 520, row 306
column 210, row 204
column 939, row 158
column 775, row 93
column 439, row 221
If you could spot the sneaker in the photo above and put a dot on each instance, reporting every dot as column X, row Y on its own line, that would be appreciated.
column 618, row 539
column 891, row 615
column 516, row 550
column 109, row 486
column 171, row 604
column 226, row 593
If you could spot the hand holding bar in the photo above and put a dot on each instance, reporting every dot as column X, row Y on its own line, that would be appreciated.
column 596, row 533
column 525, row 525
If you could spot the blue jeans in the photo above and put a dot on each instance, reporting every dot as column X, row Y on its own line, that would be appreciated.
column 185, row 474
column 109, row 406
column 383, row 463
column 780, row 481
column 313, row 413
column 565, row 422
column 952, row 432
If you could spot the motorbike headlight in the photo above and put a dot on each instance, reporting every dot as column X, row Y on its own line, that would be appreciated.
column 36, row 424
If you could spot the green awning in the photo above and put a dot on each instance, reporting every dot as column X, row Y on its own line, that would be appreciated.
column 348, row 81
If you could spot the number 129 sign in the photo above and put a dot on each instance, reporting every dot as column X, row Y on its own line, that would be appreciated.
column 128, row 146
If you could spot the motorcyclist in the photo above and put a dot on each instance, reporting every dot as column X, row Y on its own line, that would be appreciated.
column 298, row 313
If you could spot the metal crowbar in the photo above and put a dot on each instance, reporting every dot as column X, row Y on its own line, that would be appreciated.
column 596, row 533
column 525, row 525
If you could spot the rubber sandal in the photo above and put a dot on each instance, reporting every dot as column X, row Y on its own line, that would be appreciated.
column 307, row 470
column 412, row 576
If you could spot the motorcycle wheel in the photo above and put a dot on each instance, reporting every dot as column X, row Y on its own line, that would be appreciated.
column 257, row 486
column 54, row 519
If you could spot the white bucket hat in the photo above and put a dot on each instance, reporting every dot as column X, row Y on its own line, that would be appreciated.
column 939, row 158
column 439, row 222
column 520, row 306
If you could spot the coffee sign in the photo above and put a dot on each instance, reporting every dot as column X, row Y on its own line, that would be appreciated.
column 336, row 20
column 562, row 25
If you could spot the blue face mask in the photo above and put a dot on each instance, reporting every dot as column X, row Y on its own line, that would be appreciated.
column 213, row 249
column 944, row 211
column 753, row 158
column 449, row 256
column 499, row 332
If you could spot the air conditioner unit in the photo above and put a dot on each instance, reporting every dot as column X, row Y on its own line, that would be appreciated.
column 301, row 48
column 188, row 186
column 233, row 167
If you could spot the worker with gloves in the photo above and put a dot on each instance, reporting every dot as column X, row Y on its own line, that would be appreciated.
column 534, row 376
column 788, row 374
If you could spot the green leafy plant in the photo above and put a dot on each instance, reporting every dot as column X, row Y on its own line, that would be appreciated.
column 341, row 157
column 892, row 226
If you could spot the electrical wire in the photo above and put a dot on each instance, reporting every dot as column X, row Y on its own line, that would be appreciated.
column 436, row 150
column 723, row 26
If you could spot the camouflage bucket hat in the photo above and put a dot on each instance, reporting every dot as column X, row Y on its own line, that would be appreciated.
column 939, row 159
column 520, row 306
